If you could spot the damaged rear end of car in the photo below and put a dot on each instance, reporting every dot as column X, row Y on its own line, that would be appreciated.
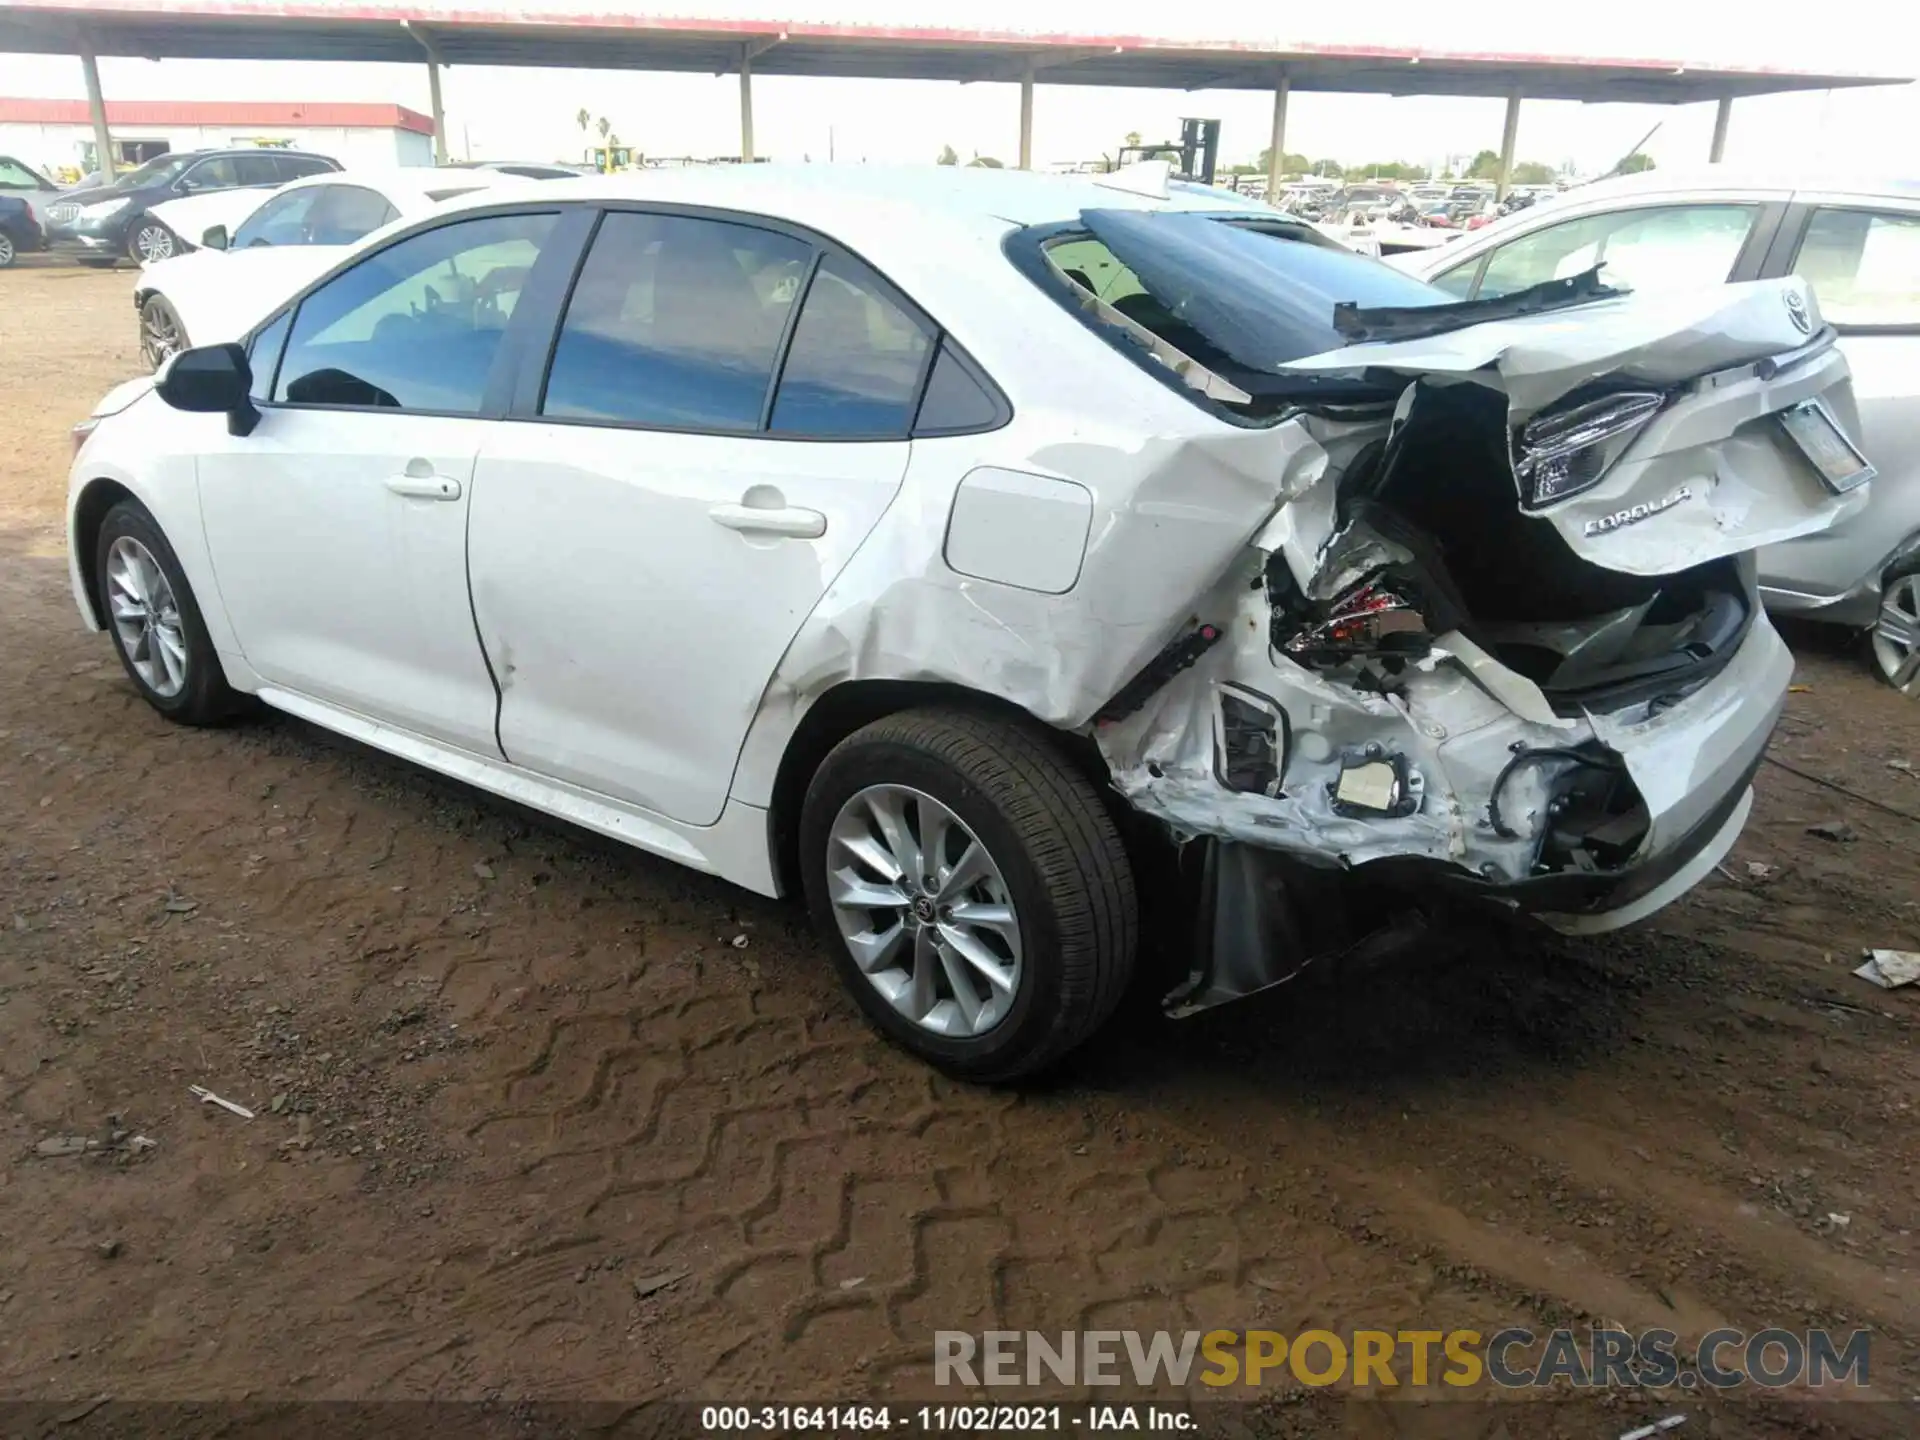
column 1498, row 634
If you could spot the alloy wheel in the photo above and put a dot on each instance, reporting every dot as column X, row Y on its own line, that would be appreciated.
column 924, row 910
column 1896, row 635
column 146, row 617
column 159, row 333
column 153, row 243
column 6, row 250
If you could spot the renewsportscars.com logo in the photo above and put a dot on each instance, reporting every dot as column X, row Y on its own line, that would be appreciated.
column 1512, row 1359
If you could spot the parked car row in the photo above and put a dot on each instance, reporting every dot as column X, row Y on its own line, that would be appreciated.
column 945, row 546
column 113, row 222
column 269, row 244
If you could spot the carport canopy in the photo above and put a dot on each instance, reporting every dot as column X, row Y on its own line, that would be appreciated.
column 546, row 33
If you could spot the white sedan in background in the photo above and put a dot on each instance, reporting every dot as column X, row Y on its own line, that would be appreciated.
column 245, row 266
column 1858, row 245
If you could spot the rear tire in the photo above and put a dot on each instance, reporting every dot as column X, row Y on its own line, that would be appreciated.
column 7, row 252
column 155, row 621
column 1044, row 939
column 1895, row 638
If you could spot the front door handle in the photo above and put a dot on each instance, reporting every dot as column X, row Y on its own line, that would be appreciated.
column 424, row 487
column 790, row 521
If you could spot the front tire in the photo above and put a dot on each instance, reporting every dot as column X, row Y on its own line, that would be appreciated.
column 150, row 242
column 162, row 333
column 1896, row 633
column 155, row 622
column 973, row 889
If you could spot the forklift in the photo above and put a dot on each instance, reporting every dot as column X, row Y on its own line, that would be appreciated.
column 1193, row 155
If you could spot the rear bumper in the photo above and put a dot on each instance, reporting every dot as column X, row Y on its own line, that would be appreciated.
column 1269, row 888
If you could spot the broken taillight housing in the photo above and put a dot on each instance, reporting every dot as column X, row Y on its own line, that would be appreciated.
column 1566, row 451
column 1366, row 620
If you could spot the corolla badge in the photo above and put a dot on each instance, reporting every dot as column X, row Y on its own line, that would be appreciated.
column 1606, row 524
column 1797, row 312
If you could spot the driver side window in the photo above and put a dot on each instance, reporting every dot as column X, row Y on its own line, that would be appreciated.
column 216, row 174
column 281, row 221
column 417, row 325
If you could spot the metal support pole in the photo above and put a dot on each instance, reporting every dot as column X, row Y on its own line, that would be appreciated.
column 1026, row 120
column 746, row 105
column 1509, row 138
column 439, row 113
column 1722, row 116
column 1275, row 161
column 96, row 102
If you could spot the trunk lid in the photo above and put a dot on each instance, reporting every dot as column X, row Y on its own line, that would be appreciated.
column 1714, row 470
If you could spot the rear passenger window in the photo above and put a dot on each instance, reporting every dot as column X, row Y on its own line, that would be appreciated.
column 675, row 322
column 854, row 369
column 1864, row 267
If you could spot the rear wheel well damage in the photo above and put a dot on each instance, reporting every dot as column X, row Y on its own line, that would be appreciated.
column 89, row 514
column 849, row 706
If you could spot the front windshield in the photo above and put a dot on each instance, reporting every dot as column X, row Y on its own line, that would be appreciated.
column 156, row 171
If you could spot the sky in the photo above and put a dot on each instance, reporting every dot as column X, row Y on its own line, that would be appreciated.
column 530, row 114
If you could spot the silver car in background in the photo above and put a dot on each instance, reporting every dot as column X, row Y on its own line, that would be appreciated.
column 1858, row 244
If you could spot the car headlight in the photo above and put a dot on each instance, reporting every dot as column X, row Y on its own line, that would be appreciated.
column 1567, row 451
column 100, row 209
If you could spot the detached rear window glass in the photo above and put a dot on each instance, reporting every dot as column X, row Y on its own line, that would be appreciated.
column 1224, row 291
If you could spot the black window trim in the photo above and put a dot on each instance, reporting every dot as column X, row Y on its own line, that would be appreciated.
column 528, row 398
column 517, row 383
column 502, row 376
column 1785, row 253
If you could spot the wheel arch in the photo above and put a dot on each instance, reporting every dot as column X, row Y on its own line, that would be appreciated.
column 853, row 704
column 90, row 509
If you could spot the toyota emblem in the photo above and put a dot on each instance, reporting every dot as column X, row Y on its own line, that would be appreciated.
column 1797, row 312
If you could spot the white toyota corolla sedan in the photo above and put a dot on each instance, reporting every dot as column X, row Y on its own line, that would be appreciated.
column 990, row 556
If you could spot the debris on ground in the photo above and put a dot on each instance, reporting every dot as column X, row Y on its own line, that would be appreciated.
column 660, row 1280
column 1838, row 831
column 1672, row 1420
column 178, row 904
column 1890, row 969
column 58, row 1146
column 207, row 1097
column 854, row 1283
column 1758, row 870
column 483, row 870
column 740, row 942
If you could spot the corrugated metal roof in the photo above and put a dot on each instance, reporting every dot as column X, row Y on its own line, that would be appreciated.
column 568, row 33
column 265, row 114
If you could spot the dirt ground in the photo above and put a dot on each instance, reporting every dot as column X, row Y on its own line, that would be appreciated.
column 503, row 1072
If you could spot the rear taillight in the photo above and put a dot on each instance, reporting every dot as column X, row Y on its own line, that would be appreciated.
column 1567, row 451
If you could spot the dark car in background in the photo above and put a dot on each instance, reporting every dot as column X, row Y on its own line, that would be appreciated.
column 112, row 221
column 20, row 231
column 22, row 181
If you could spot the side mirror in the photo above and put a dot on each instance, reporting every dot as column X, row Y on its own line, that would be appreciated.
column 214, row 238
column 213, row 380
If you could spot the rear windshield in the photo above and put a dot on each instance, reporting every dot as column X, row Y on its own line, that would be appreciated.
column 1241, row 297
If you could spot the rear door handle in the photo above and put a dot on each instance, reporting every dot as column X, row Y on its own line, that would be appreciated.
column 790, row 521
column 424, row 487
